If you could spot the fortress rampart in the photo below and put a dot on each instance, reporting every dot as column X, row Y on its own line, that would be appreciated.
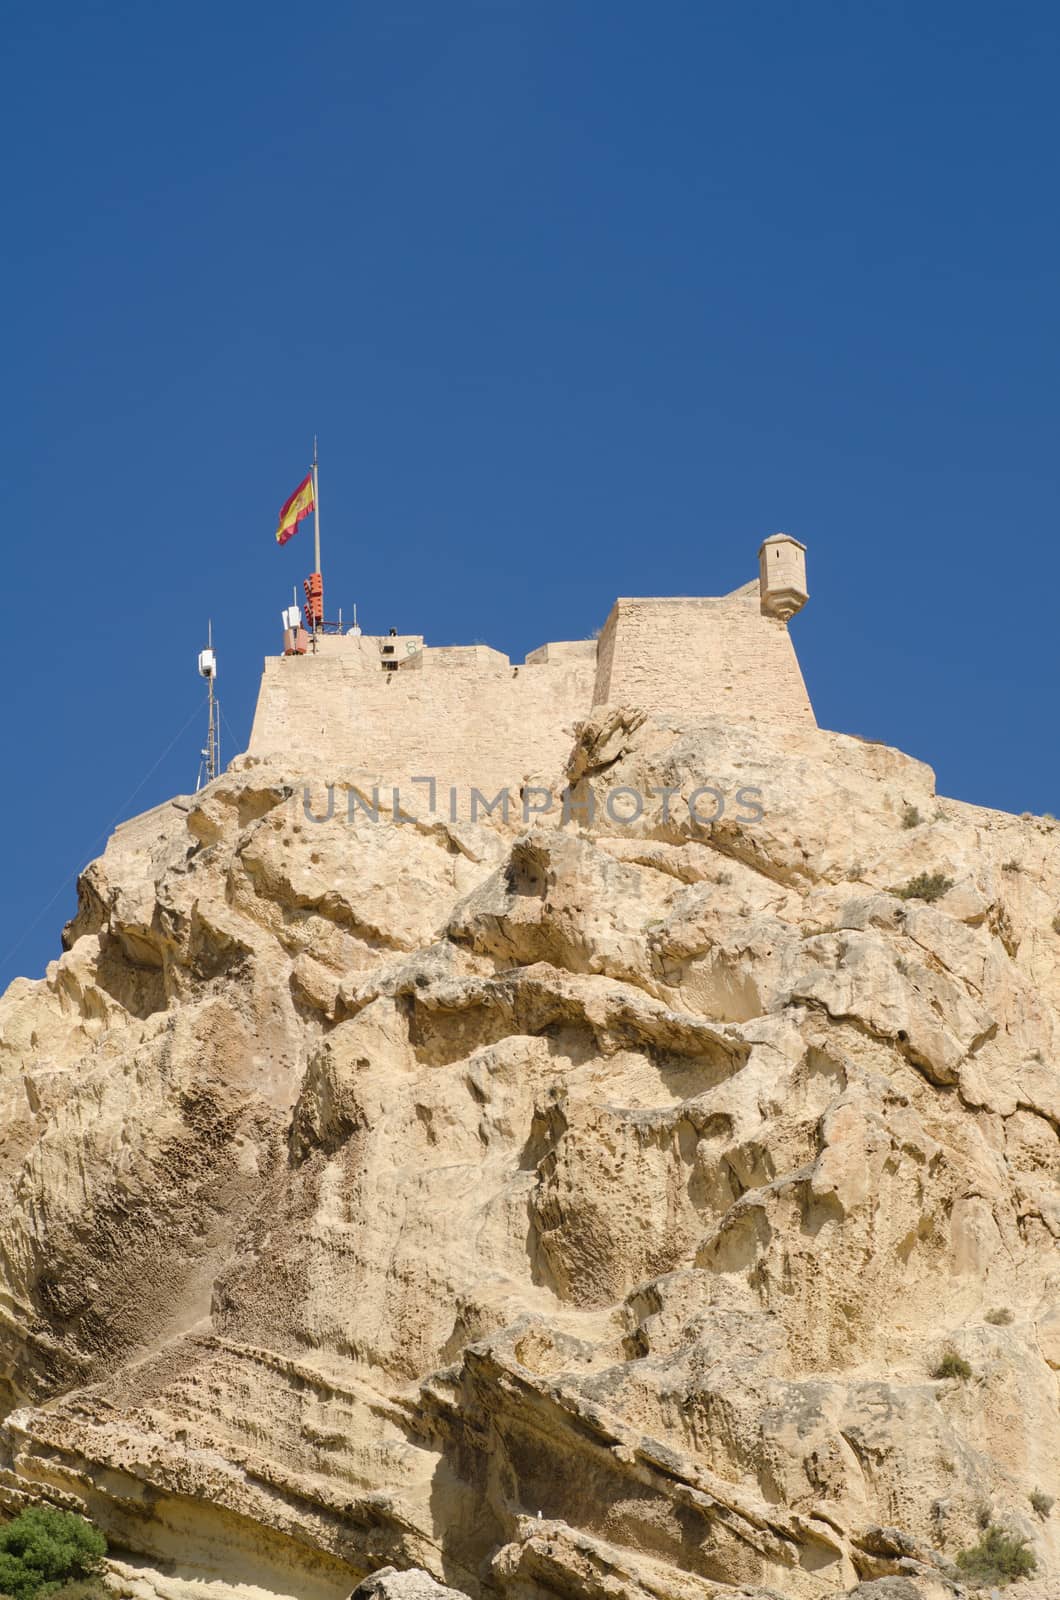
column 394, row 708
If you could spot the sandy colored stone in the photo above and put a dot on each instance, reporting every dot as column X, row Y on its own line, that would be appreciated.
column 546, row 1210
column 396, row 712
column 415, row 1584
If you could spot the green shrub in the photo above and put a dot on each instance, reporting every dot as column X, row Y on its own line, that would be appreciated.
column 925, row 886
column 1010, row 866
column 1000, row 1317
column 952, row 1366
column 911, row 817
column 1056, row 923
column 1042, row 1503
column 43, row 1548
column 999, row 1557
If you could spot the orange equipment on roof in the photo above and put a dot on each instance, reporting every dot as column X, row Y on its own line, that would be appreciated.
column 314, row 599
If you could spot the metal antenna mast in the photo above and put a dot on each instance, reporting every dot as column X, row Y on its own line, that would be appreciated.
column 211, row 752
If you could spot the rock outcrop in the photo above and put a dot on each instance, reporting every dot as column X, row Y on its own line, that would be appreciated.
column 560, row 1210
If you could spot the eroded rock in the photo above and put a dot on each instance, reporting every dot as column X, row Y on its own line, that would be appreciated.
column 546, row 1211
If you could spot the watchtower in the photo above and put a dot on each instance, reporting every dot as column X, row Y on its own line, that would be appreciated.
column 782, row 576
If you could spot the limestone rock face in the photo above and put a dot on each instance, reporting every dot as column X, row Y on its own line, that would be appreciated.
column 415, row 1584
column 574, row 1209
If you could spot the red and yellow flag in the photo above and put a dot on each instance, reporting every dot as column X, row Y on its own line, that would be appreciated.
column 293, row 510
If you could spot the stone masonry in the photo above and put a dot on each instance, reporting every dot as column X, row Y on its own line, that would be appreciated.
column 392, row 708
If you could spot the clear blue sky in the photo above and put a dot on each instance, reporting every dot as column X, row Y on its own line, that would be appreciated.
column 583, row 299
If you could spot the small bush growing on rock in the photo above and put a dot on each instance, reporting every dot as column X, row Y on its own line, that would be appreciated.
column 1042, row 1503
column 1010, row 866
column 911, row 817
column 952, row 1366
column 999, row 1557
column 42, row 1549
column 1056, row 923
column 1001, row 1316
column 925, row 886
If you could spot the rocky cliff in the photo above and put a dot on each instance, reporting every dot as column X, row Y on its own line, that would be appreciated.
column 562, row 1210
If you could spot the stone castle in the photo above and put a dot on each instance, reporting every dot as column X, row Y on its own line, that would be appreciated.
column 395, row 707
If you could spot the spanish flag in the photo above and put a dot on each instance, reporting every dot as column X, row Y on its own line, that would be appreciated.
column 293, row 510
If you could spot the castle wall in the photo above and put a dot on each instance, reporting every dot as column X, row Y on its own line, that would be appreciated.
column 709, row 656
column 467, row 718
column 390, row 709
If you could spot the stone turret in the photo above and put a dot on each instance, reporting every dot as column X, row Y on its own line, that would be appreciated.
column 782, row 576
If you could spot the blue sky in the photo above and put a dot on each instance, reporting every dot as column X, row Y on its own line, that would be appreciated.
column 582, row 300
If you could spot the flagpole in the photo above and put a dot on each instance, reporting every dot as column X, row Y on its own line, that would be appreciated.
column 316, row 508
